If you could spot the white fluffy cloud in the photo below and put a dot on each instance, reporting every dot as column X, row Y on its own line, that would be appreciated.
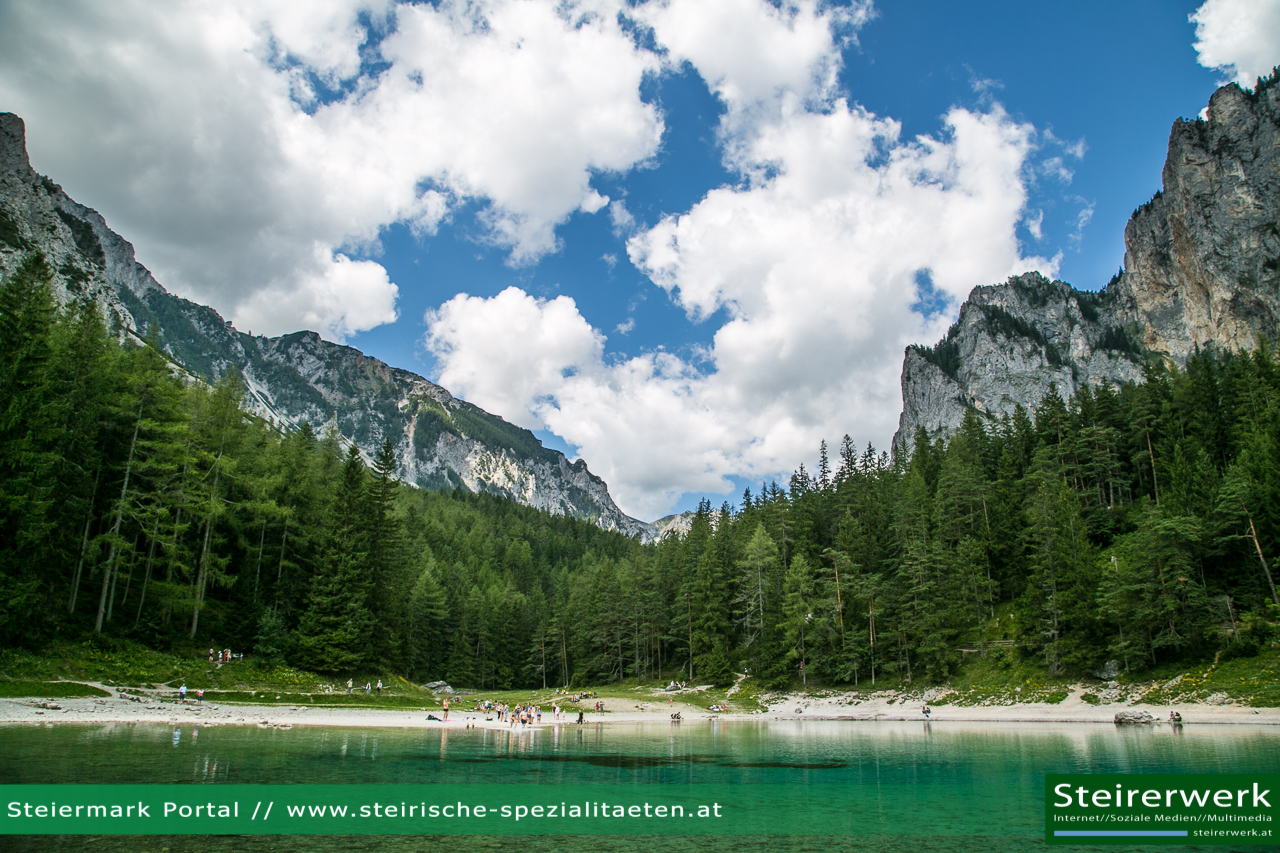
column 257, row 147
column 512, row 351
column 816, row 259
column 1241, row 37
column 757, row 56
column 260, row 154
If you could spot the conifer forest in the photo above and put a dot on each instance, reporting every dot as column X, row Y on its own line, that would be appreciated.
column 1136, row 524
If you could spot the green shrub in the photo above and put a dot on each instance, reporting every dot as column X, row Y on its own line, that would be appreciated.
column 48, row 690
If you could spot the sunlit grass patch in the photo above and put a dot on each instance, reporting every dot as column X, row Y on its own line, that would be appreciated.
column 49, row 690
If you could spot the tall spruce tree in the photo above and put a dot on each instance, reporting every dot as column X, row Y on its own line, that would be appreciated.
column 334, row 634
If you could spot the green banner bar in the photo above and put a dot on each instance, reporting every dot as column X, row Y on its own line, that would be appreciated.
column 426, row 809
column 1161, row 808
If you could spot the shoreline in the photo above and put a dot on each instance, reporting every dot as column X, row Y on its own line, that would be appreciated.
column 161, row 707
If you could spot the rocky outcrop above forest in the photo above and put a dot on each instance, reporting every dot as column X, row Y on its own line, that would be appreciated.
column 678, row 524
column 1201, row 270
column 441, row 442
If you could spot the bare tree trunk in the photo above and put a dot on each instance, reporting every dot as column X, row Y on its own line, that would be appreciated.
column 257, row 572
column 151, row 553
column 84, row 546
column 115, row 528
column 690, row 606
column 839, row 603
column 1253, row 532
column 128, row 582
column 1155, row 481
column 871, row 635
column 564, row 650
column 202, row 572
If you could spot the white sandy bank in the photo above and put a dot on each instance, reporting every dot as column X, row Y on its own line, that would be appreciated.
column 161, row 707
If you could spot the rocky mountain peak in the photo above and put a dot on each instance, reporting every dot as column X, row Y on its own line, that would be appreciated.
column 439, row 440
column 13, row 145
column 1201, row 269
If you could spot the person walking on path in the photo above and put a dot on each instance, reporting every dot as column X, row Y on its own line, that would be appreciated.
column 379, row 686
column 367, row 688
column 182, row 692
column 350, row 683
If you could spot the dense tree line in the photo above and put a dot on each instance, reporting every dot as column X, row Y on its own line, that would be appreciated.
column 1135, row 524
column 137, row 502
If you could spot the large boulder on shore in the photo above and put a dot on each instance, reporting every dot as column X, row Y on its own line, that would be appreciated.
column 1134, row 718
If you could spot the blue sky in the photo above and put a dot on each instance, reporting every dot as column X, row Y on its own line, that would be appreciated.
column 687, row 239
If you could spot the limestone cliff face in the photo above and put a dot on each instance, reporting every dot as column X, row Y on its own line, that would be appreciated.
column 1201, row 269
column 440, row 441
column 1202, row 259
column 678, row 524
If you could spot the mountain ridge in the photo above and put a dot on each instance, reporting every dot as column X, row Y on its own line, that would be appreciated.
column 440, row 442
column 1201, row 270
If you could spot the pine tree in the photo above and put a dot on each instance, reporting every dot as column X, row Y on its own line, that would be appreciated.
column 1057, row 613
column 27, row 439
column 335, row 631
column 757, row 568
column 799, row 600
column 387, row 563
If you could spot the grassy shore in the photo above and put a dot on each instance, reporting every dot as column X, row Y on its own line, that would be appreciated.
column 1000, row 679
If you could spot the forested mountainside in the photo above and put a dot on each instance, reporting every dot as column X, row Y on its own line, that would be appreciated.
column 438, row 441
column 1201, row 269
column 1134, row 525
column 1118, row 525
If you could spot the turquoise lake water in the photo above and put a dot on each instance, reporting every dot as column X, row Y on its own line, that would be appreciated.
column 907, row 786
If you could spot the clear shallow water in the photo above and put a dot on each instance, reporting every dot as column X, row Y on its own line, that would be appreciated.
column 920, row 787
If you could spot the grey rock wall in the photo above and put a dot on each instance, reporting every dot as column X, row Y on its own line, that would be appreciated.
column 1201, row 270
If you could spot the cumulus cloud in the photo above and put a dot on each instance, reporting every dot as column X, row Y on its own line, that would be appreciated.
column 553, row 374
column 1239, row 37
column 815, row 259
column 761, row 59
column 248, row 147
column 255, row 149
column 543, row 344
column 344, row 298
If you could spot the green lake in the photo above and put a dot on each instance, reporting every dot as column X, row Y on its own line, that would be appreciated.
column 906, row 786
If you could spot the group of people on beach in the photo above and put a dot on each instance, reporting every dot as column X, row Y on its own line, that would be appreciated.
column 368, row 686
column 182, row 693
column 523, row 715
